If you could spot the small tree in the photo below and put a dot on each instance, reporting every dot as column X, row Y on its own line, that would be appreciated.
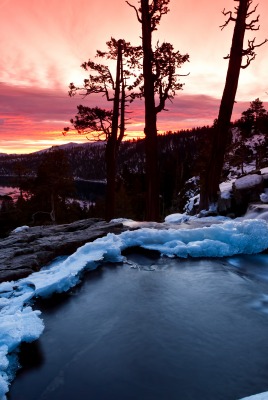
column 110, row 124
column 161, row 79
column 210, row 188
column 254, row 120
column 238, row 154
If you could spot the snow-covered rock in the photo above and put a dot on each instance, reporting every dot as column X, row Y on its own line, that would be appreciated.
column 248, row 182
column 28, row 249
column 176, row 218
column 21, row 229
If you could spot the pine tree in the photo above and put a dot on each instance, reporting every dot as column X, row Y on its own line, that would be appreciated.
column 160, row 78
column 210, row 186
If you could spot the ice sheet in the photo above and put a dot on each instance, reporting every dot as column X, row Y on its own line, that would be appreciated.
column 260, row 396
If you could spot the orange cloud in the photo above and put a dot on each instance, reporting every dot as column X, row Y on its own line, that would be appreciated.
column 44, row 42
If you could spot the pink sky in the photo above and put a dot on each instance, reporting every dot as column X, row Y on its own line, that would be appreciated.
column 44, row 42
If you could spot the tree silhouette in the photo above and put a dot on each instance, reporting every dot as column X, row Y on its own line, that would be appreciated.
column 210, row 187
column 160, row 78
column 254, row 120
column 52, row 185
column 110, row 124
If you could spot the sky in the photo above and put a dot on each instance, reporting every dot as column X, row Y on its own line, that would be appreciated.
column 44, row 42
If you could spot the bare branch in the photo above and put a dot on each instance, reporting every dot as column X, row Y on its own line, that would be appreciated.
column 231, row 18
column 249, row 59
column 250, row 51
column 254, row 9
column 136, row 10
column 251, row 24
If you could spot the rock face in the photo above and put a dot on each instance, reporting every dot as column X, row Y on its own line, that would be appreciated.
column 27, row 251
column 246, row 190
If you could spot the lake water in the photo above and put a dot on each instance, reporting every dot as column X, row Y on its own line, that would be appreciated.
column 86, row 190
column 9, row 187
column 156, row 329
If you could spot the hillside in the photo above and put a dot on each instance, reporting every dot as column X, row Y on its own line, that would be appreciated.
column 182, row 160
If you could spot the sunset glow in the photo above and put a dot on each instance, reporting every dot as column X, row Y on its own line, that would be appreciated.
column 44, row 42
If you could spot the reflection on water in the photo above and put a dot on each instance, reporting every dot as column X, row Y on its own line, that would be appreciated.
column 254, row 266
column 153, row 329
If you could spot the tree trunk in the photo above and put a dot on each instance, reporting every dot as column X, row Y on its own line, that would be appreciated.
column 210, row 191
column 53, row 213
column 150, row 130
column 110, row 158
column 111, row 146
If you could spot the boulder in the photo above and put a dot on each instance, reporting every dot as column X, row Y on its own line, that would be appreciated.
column 246, row 190
column 26, row 251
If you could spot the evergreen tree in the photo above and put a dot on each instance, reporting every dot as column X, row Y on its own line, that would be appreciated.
column 111, row 124
column 254, row 120
column 53, row 184
column 160, row 78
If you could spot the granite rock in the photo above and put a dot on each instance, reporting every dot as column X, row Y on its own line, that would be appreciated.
column 27, row 251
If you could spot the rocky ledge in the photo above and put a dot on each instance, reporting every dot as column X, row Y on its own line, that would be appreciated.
column 30, row 249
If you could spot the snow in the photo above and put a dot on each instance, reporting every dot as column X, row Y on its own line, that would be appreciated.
column 20, row 229
column 264, row 171
column 19, row 322
column 264, row 196
column 260, row 396
column 248, row 181
column 177, row 218
column 226, row 189
column 192, row 202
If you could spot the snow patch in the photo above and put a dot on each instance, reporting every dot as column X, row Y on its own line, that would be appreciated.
column 20, row 229
column 264, row 196
column 248, row 181
column 226, row 189
column 176, row 218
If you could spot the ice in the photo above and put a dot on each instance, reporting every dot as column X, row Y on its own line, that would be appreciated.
column 260, row 396
column 19, row 322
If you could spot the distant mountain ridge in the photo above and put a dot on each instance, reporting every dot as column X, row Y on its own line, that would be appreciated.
column 182, row 156
column 79, row 155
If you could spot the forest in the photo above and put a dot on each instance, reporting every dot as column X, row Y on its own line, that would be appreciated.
column 150, row 177
column 47, row 179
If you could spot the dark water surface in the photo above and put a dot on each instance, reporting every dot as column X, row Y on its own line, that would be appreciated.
column 168, row 330
column 85, row 190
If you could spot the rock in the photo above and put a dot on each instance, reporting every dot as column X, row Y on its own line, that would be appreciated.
column 28, row 250
column 248, row 182
column 246, row 190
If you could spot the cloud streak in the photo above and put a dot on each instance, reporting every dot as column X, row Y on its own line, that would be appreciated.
column 30, row 115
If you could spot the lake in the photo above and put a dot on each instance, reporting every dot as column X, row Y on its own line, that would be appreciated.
column 9, row 187
column 86, row 190
column 153, row 329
